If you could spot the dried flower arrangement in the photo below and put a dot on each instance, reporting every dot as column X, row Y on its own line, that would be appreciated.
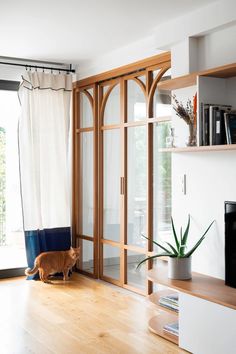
column 189, row 115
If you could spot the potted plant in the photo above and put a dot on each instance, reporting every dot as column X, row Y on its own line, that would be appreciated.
column 179, row 264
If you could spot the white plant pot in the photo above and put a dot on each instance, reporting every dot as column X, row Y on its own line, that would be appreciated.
column 180, row 268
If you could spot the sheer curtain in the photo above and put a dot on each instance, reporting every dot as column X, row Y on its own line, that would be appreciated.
column 44, row 167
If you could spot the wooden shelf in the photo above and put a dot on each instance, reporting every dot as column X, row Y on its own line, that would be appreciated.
column 225, row 71
column 154, row 298
column 202, row 286
column 157, row 323
column 199, row 148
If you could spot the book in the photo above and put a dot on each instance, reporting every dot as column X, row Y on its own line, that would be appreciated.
column 170, row 302
column 172, row 328
column 230, row 127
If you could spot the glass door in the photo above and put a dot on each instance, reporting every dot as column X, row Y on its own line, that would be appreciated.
column 111, row 185
column 85, row 203
column 12, row 245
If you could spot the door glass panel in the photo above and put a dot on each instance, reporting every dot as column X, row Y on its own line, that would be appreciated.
column 111, row 185
column 86, row 112
column 136, row 277
column 161, row 184
column 12, row 244
column 87, row 255
column 137, row 185
column 162, row 103
column 112, row 107
column 136, row 102
column 111, row 261
column 87, row 183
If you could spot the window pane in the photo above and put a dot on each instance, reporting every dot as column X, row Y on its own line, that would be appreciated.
column 86, row 112
column 136, row 102
column 111, row 261
column 162, row 184
column 136, row 277
column 87, row 183
column 112, row 108
column 137, row 184
column 111, row 185
column 87, row 256
column 162, row 103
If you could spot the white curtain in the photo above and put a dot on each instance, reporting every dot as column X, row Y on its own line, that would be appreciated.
column 43, row 146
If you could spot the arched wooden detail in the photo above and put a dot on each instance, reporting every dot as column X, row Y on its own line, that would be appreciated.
column 90, row 98
column 104, row 100
column 141, row 84
column 153, row 87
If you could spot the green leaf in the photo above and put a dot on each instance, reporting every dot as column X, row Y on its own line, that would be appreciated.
column 156, row 243
column 199, row 242
column 175, row 236
column 181, row 235
column 185, row 237
column 153, row 257
column 173, row 249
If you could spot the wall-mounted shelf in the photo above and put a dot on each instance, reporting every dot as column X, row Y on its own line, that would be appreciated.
column 199, row 148
column 225, row 71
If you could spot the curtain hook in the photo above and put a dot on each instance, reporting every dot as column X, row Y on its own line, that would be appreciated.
column 51, row 71
column 36, row 69
column 26, row 68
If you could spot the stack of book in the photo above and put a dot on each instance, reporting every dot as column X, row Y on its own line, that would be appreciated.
column 170, row 301
column 217, row 125
column 172, row 328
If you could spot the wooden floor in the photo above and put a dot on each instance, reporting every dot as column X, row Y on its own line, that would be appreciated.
column 79, row 316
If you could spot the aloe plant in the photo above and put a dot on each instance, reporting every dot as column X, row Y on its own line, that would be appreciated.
column 180, row 244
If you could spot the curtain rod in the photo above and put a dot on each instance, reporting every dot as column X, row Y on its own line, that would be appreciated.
column 70, row 70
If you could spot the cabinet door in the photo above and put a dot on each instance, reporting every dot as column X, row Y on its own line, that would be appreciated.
column 206, row 327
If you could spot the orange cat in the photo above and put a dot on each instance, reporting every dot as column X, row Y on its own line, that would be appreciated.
column 54, row 262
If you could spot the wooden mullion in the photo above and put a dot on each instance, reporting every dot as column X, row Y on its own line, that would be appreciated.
column 100, row 181
column 85, row 237
column 110, row 242
column 149, row 177
column 123, row 110
column 95, row 181
column 84, row 130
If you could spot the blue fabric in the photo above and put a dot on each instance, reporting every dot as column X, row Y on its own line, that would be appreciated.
column 38, row 241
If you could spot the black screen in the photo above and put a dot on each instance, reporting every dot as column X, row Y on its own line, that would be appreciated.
column 230, row 244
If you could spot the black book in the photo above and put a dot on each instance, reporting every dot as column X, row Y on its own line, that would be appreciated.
column 230, row 127
column 220, row 134
column 217, row 125
column 206, row 125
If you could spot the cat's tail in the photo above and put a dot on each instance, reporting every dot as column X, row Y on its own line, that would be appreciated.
column 33, row 271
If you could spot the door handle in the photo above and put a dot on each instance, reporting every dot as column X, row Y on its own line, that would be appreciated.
column 122, row 185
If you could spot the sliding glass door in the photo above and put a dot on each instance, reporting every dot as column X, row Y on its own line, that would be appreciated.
column 123, row 179
column 12, row 245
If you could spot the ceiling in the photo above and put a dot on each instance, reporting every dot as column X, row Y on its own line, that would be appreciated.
column 77, row 30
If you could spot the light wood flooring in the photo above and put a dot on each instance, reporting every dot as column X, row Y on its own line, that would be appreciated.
column 80, row 316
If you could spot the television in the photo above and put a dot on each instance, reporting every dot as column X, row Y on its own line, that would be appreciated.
column 230, row 244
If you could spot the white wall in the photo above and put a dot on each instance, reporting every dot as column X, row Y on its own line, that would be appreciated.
column 122, row 56
column 210, row 176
